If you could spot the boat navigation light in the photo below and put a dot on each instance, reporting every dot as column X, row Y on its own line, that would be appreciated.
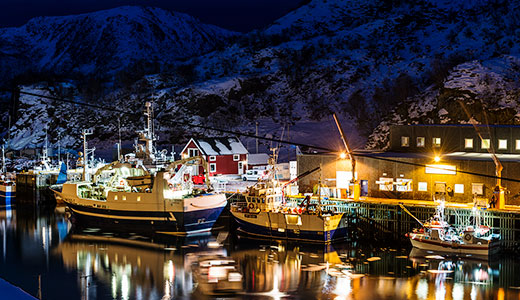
column 343, row 155
column 437, row 158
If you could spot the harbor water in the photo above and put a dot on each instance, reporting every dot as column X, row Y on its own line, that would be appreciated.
column 93, row 263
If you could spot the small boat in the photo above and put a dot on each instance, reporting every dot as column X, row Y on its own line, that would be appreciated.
column 7, row 185
column 7, row 192
column 438, row 236
column 130, row 198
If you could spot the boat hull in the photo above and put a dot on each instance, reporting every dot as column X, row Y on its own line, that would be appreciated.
column 312, row 228
column 454, row 247
column 182, row 223
column 7, row 195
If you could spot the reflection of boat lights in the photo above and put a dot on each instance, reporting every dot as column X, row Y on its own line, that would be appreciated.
column 275, row 292
column 422, row 289
column 458, row 291
column 171, row 270
column 343, row 288
column 440, row 293
column 473, row 293
column 125, row 287
column 114, row 286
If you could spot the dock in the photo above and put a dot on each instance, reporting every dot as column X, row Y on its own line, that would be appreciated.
column 382, row 218
column 9, row 291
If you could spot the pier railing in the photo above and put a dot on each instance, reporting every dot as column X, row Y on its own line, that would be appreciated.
column 390, row 220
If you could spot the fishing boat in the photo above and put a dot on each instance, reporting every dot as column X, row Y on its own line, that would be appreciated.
column 439, row 236
column 265, row 213
column 130, row 198
column 7, row 185
column 143, row 195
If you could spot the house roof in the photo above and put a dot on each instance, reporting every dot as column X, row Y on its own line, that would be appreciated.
column 258, row 159
column 220, row 146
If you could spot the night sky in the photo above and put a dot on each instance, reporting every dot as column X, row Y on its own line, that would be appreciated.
column 237, row 15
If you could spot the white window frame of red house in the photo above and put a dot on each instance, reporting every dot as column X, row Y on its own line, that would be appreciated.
column 236, row 157
column 213, row 167
column 193, row 151
column 212, row 158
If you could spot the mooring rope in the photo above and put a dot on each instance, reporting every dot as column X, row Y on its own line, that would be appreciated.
column 408, row 212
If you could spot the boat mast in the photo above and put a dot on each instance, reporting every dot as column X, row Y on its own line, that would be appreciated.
column 85, row 149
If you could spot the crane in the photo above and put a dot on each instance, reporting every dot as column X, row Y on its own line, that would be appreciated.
column 357, row 188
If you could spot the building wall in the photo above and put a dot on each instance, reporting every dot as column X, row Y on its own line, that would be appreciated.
column 453, row 138
column 226, row 165
column 329, row 165
column 373, row 170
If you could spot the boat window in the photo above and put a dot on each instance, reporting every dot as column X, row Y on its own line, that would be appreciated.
column 115, row 197
column 293, row 220
column 124, row 198
column 138, row 198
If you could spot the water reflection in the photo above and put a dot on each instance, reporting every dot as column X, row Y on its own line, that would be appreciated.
column 90, row 263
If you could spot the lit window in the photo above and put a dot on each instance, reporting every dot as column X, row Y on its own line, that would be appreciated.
column 420, row 141
column 212, row 167
column 468, row 143
column 459, row 188
column 236, row 157
column 115, row 197
column 423, row 187
column 386, row 184
column 436, row 142
column 138, row 198
column 404, row 185
column 405, row 141
column 485, row 143
column 502, row 144
column 124, row 198
column 477, row 188
column 212, row 158
column 517, row 145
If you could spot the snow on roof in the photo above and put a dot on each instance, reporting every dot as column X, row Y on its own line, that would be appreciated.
column 221, row 146
column 258, row 159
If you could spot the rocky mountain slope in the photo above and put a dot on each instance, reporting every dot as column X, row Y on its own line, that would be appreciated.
column 369, row 61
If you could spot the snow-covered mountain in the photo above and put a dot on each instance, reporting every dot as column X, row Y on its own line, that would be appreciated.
column 373, row 62
column 106, row 41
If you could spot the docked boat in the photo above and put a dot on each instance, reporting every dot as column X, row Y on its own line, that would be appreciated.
column 131, row 198
column 265, row 213
column 7, row 191
column 438, row 236
column 7, row 185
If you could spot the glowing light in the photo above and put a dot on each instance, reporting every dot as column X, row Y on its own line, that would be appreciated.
column 125, row 287
column 343, row 155
column 422, row 289
column 437, row 158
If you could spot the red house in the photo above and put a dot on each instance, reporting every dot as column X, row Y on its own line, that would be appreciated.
column 225, row 155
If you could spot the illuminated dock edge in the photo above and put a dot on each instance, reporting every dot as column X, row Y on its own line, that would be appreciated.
column 387, row 219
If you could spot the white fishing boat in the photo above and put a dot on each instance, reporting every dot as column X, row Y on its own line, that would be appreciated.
column 145, row 195
column 438, row 236
column 130, row 198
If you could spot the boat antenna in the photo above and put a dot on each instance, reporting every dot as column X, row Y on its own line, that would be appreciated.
column 119, row 143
